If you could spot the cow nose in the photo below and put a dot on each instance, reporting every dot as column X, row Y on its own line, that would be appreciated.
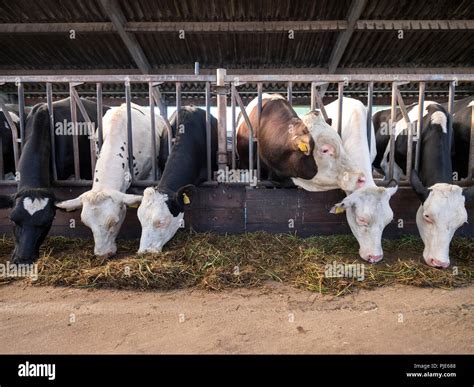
column 436, row 263
column 374, row 258
column 106, row 255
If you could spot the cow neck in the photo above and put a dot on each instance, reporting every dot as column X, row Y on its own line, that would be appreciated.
column 113, row 165
column 35, row 161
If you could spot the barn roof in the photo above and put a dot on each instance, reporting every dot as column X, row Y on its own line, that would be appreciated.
column 267, row 36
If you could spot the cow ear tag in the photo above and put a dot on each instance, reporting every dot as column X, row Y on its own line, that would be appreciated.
column 186, row 199
column 303, row 147
column 337, row 209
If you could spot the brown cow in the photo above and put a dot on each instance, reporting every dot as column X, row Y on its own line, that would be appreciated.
column 308, row 151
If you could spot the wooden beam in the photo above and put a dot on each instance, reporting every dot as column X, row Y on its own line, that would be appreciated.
column 117, row 18
column 239, row 27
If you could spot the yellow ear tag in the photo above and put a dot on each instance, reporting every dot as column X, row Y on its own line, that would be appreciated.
column 186, row 199
column 303, row 147
column 135, row 205
column 340, row 210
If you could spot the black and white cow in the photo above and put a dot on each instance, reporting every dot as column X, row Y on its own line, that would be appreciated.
column 7, row 139
column 34, row 203
column 162, row 208
column 462, row 121
column 442, row 210
column 104, row 206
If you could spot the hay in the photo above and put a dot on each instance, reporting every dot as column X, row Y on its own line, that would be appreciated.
column 209, row 261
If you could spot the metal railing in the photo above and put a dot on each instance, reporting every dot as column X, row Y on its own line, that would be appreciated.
column 223, row 85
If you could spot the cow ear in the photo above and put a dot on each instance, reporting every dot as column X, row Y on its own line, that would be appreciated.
column 329, row 121
column 185, row 195
column 468, row 193
column 341, row 207
column 132, row 201
column 6, row 201
column 391, row 191
column 418, row 186
column 69, row 205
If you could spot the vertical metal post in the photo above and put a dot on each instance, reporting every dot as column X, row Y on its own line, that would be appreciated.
column 452, row 90
column 370, row 101
column 153, row 130
column 419, row 126
column 221, row 119
column 14, row 132
column 391, row 162
column 21, row 108
column 289, row 92
column 100, row 133
column 208, row 132
column 128, row 100
column 2, row 168
column 75, row 138
column 313, row 96
column 234, row 126
column 49, row 98
column 259, row 115
column 340, row 96
column 178, row 103
column 471, row 148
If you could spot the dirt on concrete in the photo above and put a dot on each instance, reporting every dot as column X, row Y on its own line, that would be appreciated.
column 270, row 319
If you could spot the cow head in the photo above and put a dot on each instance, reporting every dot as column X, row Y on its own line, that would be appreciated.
column 368, row 213
column 441, row 213
column 335, row 167
column 103, row 211
column 33, row 214
column 161, row 214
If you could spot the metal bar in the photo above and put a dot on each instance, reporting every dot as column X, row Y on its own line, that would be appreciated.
column 419, row 127
column 153, row 131
column 259, row 115
column 356, row 76
column 370, row 101
column 75, row 138
column 49, row 98
column 320, row 105
column 90, row 126
column 471, row 148
column 249, row 125
column 289, row 93
column 2, row 168
column 100, row 133
column 313, row 96
column 404, row 111
column 391, row 161
column 234, row 126
column 158, row 100
column 178, row 103
column 14, row 131
column 221, row 119
column 452, row 91
column 208, row 132
column 128, row 101
column 21, row 108
column 340, row 96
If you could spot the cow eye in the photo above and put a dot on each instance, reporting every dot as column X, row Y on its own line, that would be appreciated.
column 427, row 218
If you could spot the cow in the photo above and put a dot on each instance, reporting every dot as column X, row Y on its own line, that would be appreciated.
column 306, row 150
column 34, row 203
column 104, row 206
column 6, row 139
column 462, row 121
column 367, row 209
column 442, row 210
column 162, row 208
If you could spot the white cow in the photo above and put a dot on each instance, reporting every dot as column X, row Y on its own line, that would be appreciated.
column 104, row 206
column 367, row 209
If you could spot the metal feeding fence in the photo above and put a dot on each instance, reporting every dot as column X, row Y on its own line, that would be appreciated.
column 222, row 86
